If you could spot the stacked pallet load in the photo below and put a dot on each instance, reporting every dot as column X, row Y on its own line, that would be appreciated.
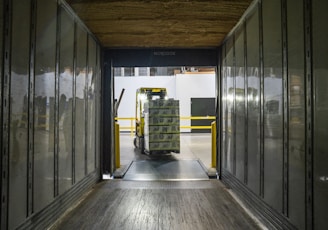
column 162, row 126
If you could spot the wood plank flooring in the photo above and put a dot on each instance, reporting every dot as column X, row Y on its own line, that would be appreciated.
column 155, row 205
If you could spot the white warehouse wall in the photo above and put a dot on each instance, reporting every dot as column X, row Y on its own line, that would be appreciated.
column 181, row 87
column 193, row 86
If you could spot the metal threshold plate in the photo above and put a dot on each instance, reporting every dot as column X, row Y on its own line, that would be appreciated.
column 161, row 170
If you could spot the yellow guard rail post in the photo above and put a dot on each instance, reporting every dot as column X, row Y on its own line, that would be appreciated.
column 117, row 146
column 131, row 127
column 213, row 131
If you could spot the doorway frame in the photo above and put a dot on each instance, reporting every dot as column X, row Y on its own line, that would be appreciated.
column 143, row 57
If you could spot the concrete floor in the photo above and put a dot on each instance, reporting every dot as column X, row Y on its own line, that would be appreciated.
column 192, row 147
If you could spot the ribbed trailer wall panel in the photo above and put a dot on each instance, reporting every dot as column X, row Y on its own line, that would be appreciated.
column 284, row 105
column 45, row 89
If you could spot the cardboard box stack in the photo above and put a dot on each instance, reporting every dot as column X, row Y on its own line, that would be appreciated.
column 162, row 126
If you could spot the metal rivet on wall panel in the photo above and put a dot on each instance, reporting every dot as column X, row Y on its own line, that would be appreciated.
column 246, row 104
column 309, row 114
column 5, row 96
column 285, row 108
column 261, row 75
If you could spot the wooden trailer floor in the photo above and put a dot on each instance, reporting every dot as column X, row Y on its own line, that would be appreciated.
column 151, row 205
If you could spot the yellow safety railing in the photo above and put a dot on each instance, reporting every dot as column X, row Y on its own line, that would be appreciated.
column 132, row 126
column 132, row 123
column 212, row 127
column 117, row 146
column 197, row 118
column 213, row 139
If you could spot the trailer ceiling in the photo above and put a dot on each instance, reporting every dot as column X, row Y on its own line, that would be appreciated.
column 160, row 23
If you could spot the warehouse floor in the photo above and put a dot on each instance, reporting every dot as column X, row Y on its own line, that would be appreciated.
column 194, row 147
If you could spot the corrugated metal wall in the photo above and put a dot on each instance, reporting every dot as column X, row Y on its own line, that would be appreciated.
column 50, row 139
column 273, row 85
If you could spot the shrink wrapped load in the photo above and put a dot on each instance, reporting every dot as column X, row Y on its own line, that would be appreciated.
column 162, row 125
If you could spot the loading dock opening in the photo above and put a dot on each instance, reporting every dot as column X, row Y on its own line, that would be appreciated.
column 151, row 58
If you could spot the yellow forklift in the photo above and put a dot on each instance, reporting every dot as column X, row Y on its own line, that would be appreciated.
column 144, row 94
column 157, row 122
